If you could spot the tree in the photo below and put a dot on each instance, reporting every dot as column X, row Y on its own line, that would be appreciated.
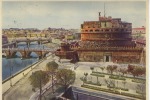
column 52, row 67
column 102, row 68
column 92, row 68
column 123, row 71
column 65, row 77
column 124, row 82
column 111, row 68
column 85, row 78
column 38, row 79
column 138, row 71
column 110, row 83
column 141, row 88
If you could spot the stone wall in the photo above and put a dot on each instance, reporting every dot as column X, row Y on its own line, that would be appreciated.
column 113, row 56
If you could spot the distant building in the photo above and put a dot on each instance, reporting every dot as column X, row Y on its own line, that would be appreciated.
column 138, row 32
column 69, row 37
column 4, row 39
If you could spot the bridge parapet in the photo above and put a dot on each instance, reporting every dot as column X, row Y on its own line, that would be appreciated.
column 25, row 52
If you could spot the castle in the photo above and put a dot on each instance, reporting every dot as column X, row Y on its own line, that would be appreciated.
column 108, row 40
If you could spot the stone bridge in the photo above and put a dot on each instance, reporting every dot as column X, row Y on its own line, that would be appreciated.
column 29, row 40
column 15, row 42
column 25, row 52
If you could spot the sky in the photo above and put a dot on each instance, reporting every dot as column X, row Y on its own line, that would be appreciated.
column 65, row 14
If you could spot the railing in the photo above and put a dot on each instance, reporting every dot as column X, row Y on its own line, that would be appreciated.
column 39, row 39
column 27, row 49
column 106, row 48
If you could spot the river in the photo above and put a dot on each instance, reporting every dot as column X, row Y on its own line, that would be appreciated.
column 13, row 65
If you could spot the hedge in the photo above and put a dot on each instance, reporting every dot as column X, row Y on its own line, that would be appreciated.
column 138, row 81
column 117, row 77
column 112, row 91
column 99, row 75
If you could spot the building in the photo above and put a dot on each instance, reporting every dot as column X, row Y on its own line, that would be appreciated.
column 108, row 40
column 138, row 32
column 4, row 39
column 66, row 53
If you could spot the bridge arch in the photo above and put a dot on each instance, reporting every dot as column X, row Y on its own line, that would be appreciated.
column 32, row 53
column 45, row 54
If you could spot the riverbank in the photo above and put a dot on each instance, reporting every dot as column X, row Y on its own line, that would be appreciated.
column 22, row 90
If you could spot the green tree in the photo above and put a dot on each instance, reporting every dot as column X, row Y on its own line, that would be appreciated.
column 39, row 79
column 65, row 77
column 52, row 67
column 92, row 68
column 85, row 74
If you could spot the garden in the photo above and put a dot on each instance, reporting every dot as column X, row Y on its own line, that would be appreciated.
column 129, row 81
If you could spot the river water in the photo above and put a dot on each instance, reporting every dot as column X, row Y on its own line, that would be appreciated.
column 13, row 65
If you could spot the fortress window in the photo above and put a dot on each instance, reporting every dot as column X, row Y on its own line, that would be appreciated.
column 96, row 30
column 82, row 26
column 86, row 30
column 107, row 30
column 91, row 30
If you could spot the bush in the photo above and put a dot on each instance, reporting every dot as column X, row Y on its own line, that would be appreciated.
column 117, row 77
column 139, row 92
column 132, row 95
column 90, row 82
column 99, row 75
column 100, row 89
column 138, row 81
column 124, row 89
column 112, row 91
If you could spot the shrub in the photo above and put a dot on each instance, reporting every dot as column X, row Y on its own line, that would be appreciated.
column 131, row 95
column 112, row 91
column 124, row 89
column 90, row 82
column 117, row 77
column 138, row 81
column 99, row 75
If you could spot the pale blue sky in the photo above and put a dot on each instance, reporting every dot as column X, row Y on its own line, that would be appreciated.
column 56, row 14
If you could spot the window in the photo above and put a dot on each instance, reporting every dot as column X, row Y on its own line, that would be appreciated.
column 107, row 30
column 96, row 30
column 91, row 30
